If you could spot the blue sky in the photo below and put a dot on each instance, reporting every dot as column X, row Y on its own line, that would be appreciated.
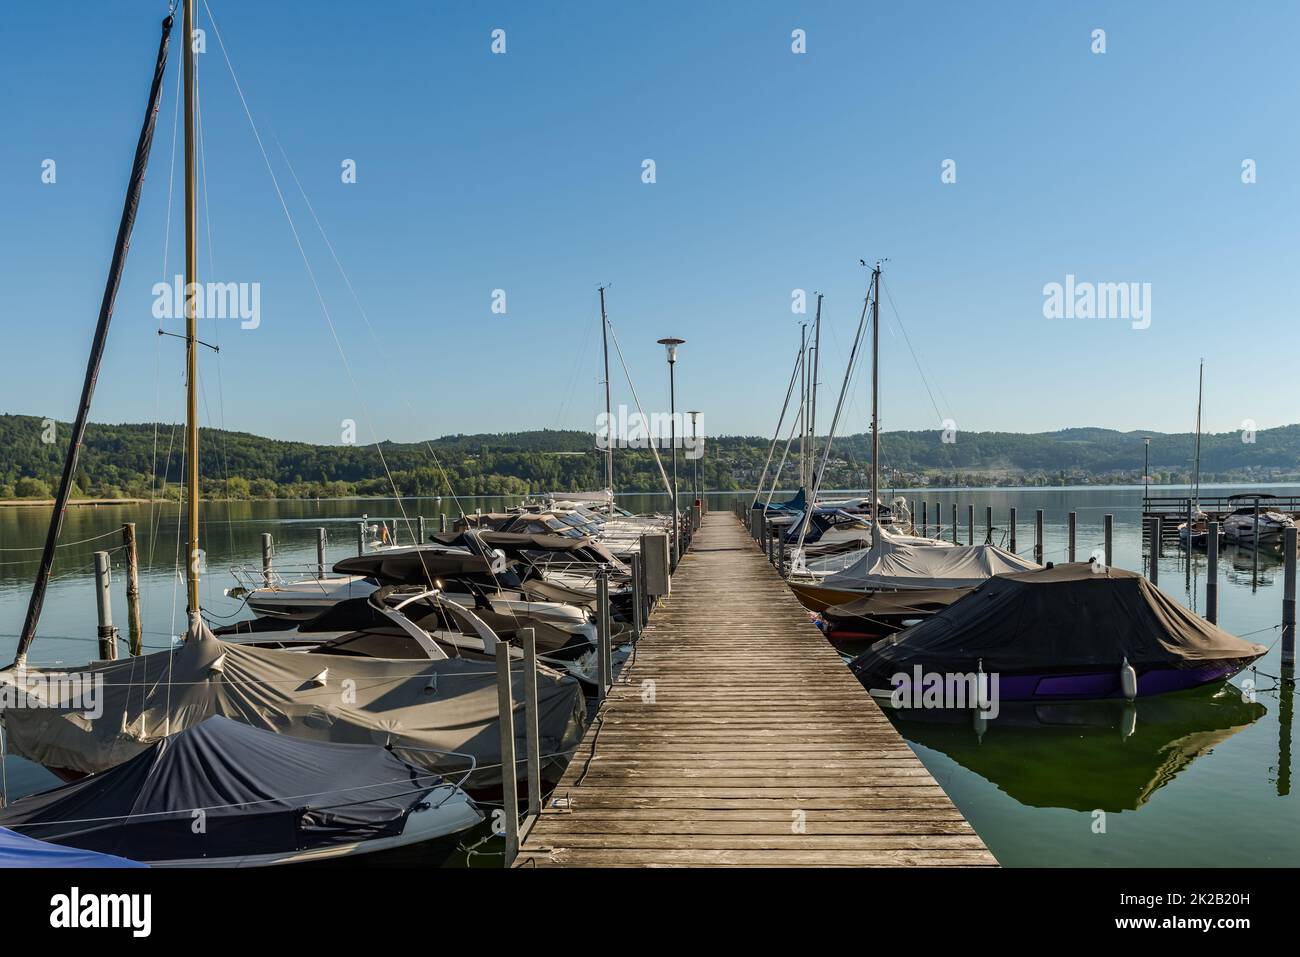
column 775, row 171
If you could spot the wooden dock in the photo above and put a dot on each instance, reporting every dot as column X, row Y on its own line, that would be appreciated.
column 737, row 737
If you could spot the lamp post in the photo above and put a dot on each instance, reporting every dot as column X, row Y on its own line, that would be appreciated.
column 698, row 495
column 1146, row 473
column 671, row 344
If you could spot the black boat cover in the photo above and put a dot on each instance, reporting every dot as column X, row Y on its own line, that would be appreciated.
column 1058, row 618
column 223, row 789
column 421, row 565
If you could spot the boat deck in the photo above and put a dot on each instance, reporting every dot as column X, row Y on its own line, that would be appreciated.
column 736, row 736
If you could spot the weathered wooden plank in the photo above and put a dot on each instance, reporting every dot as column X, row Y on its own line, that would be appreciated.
column 736, row 737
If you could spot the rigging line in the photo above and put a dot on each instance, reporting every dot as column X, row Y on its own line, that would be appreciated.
column 776, row 436
column 636, row 398
column 794, row 424
column 919, row 370
column 356, row 299
column 329, row 320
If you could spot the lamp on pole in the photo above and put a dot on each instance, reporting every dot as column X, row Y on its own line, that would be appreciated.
column 695, row 462
column 671, row 344
column 1146, row 472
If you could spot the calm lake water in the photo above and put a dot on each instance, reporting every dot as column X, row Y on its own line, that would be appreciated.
column 1192, row 780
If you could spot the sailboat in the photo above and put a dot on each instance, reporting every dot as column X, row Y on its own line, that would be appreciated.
column 438, row 712
column 1195, row 533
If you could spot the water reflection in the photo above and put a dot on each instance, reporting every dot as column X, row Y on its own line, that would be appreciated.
column 1086, row 755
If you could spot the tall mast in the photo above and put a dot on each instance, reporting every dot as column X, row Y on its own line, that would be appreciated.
column 191, row 338
column 812, row 416
column 609, row 421
column 803, row 403
column 1200, row 395
column 875, row 394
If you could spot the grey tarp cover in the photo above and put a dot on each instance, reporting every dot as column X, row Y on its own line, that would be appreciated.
column 260, row 793
column 1069, row 616
column 893, row 605
column 891, row 563
column 448, row 705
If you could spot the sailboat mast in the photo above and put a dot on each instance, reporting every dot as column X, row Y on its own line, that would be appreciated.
column 609, row 420
column 803, row 403
column 1200, row 395
column 812, row 406
column 191, row 337
column 875, row 394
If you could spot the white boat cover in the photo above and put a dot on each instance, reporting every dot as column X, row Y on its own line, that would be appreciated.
column 891, row 563
column 447, row 705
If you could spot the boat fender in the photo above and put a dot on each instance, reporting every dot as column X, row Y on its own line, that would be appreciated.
column 981, row 690
column 1128, row 680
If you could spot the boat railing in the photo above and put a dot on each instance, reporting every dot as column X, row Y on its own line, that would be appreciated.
column 303, row 575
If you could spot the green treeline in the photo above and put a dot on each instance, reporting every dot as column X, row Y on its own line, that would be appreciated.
column 140, row 461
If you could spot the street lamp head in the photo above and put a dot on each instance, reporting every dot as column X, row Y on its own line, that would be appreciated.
column 671, row 345
column 1147, row 440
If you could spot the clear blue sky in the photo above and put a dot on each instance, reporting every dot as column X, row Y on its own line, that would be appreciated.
column 775, row 171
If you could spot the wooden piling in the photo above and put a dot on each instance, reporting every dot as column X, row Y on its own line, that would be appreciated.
column 361, row 538
column 135, row 629
column 925, row 518
column 419, row 529
column 970, row 524
column 1011, row 528
column 954, row 523
column 638, row 593
column 442, row 522
column 1153, row 538
column 1288, row 597
column 1107, row 529
column 320, row 553
column 988, row 524
column 1212, row 579
column 602, row 633
column 267, row 546
column 104, row 606
column 1038, row 537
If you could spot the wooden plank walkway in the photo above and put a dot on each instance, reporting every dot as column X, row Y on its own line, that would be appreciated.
column 737, row 737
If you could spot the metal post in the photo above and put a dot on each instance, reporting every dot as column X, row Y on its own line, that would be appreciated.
column 361, row 538
column 1212, row 580
column 988, row 523
column 442, row 522
column 528, row 638
column 1107, row 528
column 1012, row 529
column 267, row 546
column 320, row 553
column 925, row 517
column 780, row 560
column 1038, row 536
column 602, row 633
column 104, row 606
column 970, row 524
column 1153, row 538
column 954, row 523
column 634, row 563
column 509, row 771
column 134, row 627
column 1073, row 523
column 419, row 529
column 1288, row 597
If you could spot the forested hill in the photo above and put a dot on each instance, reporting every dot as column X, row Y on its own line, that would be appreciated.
column 123, row 461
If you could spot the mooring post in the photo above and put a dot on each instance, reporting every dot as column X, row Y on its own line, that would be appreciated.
column 419, row 529
column 1212, row 579
column 135, row 630
column 1107, row 528
column 104, row 606
column 361, row 538
column 988, row 524
column 1011, row 529
column 1288, row 597
column 954, row 523
column 1153, row 537
column 528, row 638
column 267, row 545
column 1038, row 536
column 634, row 563
column 780, row 563
column 1072, row 522
column 509, row 771
column 970, row 524
column 602, row 632
column 925, row 518
column 320, row 553
column 442, row 522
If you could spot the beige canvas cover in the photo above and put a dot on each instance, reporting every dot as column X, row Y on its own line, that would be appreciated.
column 893, row 564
